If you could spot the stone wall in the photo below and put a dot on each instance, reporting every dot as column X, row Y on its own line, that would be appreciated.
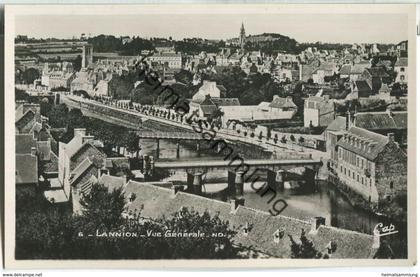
column 391, row 171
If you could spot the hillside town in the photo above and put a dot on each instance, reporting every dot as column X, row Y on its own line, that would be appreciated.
column 320, row 120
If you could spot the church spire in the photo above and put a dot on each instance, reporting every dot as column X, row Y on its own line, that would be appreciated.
column 242, row 36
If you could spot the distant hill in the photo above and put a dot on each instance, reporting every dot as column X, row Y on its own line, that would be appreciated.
column 272, row 43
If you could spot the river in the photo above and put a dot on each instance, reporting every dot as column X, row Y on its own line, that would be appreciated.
column 325, row 201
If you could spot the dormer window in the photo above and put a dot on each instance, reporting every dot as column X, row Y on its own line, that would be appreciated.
column 132, row 197
column 246, row 229
column 278, row 234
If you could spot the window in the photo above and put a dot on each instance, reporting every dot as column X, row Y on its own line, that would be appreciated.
column 402, row 69
column 363, row 163
column 353, row 175
column 341, row 169
column 345, row 171
column 357, row 177
column 357, row 161
column 391, row 185
column 363, row 180
column 402, row 78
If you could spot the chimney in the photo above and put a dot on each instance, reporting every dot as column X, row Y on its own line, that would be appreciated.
column 239, row 184
column 87, row 139
column 79, row 132
column 33, row 151
column 316, row 222
column 234, row 204
column 391, row 137
column 348, row 120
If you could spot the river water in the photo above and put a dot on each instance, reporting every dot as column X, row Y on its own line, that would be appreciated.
column 325, row 201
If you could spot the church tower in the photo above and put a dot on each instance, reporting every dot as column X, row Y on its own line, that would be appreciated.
column 242, row 37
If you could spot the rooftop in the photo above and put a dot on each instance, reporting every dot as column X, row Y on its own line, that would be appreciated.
column 374, row 143
column 154, row 202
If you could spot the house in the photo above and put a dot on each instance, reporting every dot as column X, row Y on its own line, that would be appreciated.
column 172, row 60
column 57, row 79
column 279, row 104
column 84, row 80
column 360, row 88
column 102, row 88
column 318, row 111
column 372, row 165
column 333, row 134
column 375, row 77
column 345, row 71
column 357, row 70
column 278, row 109
column 325, row 69
column 209, row 98
column 401, row 68
column 79, row 160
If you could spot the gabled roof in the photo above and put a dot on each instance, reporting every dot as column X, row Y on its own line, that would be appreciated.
column 358, row 68
column 208, row 109
column 44, row 150
column 401, row 62
column 338, row 124
column 27, row 118
column 377, row 141
column 81, row 169
column 377, row 72
column 381, row 120
column 52, row 165
column 112, row 182
column 363, row 88
column 24, row 143
column 279, row 102
column 26, row 169
column 345, row 69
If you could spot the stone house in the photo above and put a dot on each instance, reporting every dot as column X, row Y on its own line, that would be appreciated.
column 370, row 164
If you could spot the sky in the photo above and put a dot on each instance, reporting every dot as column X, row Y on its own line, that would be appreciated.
column 338, row 28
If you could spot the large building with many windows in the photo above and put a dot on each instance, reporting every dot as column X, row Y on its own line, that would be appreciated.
column 370, row 164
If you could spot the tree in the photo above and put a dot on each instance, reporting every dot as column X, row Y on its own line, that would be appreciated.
column 21, row 95
column 57, row 116
column 304, row 249
column 276, row 138
column 260, row 135
column 283, row 139
column 75, row 119
column 301, row 140
column 77, row 63
column 184, row 76
column 103, row 209
column 30, row 75
column 216, row 117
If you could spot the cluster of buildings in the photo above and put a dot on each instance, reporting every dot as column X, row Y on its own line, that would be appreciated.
column 66, row 172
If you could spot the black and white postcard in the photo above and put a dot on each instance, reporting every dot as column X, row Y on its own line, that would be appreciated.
column 210, row 135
